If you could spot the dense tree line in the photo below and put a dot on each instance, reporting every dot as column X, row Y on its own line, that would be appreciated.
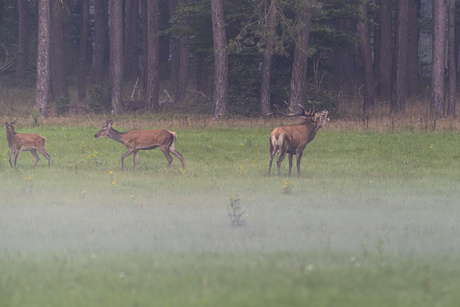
column 234, row 56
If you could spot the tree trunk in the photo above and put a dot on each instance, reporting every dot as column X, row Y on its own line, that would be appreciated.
column 220, row 60
column 58, row 74
column 398, row 84
column 181, row 88
column 300, row 60
column 265, row 100
column 384, row 45
column 179, row 61
column 451, row 60
column 82, row 58
column 366, row 54
column 412, row 69
column 23, row 39
column 100, row 41
column 174, row 46
column 116, row 52
column 43, row 58
column 152, row 55
column 131, row 67
column 438, row 54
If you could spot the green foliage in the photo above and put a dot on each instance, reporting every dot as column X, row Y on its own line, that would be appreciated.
column 235, row 212
column 62, row 105
column 244, row 85
column 99, row 98
column 324, row 99
column 35, row 114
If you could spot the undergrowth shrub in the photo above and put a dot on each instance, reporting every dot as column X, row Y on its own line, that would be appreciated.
column 62, row 105
column 323, row 99
column 99, row 98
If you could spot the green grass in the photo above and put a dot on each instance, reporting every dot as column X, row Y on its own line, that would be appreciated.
column 372, row 221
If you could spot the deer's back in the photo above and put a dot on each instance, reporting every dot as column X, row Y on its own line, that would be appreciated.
column 146, row 139
column 295, row 135
column 28, row 141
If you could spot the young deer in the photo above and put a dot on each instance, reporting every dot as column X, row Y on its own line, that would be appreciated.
column 292, row 139
column 136, row 140
column 18, row 142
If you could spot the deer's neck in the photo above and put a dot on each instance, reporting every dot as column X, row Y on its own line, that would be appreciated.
column 116, row 135
column 10, row 138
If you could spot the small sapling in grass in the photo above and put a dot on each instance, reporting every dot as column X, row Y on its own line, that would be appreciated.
column 235, row 212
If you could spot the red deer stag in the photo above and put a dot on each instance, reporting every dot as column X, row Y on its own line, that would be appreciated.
column 292, row 140
column 136, row 140
column 18, row 142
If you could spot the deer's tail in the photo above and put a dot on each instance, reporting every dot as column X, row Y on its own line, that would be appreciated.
column 277, row 142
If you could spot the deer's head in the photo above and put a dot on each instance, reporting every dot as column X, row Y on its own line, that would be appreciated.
column 105, row 130
column 320, row 118
column 10, row 128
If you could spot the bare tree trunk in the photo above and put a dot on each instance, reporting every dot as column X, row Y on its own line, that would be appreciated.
column 58, row 74
column 100, row 41
column 23, row 40
column 412, row 70
column 265, row 100
column 220, row 97
column 116, row 52
column 179, row 61
column 43, row 58
column 384, row 51
column 153, row 84
column 174, row 46
column 451, row 60
column 131, row 65
column 439, row 56
column 182, row 81
column 398, row 84
column 368, row 105
column 300, row 60
column 82, row 57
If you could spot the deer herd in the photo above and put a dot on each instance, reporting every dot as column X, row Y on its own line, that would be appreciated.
column 290, row 140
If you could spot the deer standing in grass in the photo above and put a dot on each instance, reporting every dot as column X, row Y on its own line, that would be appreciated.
column 136, row 140
column 292, row 139
column 18, row 142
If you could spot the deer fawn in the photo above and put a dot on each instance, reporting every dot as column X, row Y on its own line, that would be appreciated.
column 292, row 139
column 136, row 140
column 18, row 142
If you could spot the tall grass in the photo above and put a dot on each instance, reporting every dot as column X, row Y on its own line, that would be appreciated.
column 372, row 220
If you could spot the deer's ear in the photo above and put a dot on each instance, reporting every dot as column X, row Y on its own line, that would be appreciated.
column 6, row 124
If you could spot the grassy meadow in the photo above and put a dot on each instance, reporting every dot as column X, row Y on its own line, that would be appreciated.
column 373, row 219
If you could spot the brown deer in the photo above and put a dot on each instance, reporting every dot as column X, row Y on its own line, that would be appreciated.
column 136, row 140
column 292, row 139
column 18, row 142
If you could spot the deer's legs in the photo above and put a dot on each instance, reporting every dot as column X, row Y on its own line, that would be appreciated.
column 34, row 153
column 270, row 163
column 280, row 159
column 136, row 154
column 178, row 155
column 290, row 163
column 16, row 156
column 11, row 157
column 123, row 159
column 298, row 156
column 165, row 151
column 46, row 155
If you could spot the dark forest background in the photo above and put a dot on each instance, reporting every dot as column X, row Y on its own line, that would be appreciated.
column 230, row 57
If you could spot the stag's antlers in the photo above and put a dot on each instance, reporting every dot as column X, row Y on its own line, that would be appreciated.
column 311, row 112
